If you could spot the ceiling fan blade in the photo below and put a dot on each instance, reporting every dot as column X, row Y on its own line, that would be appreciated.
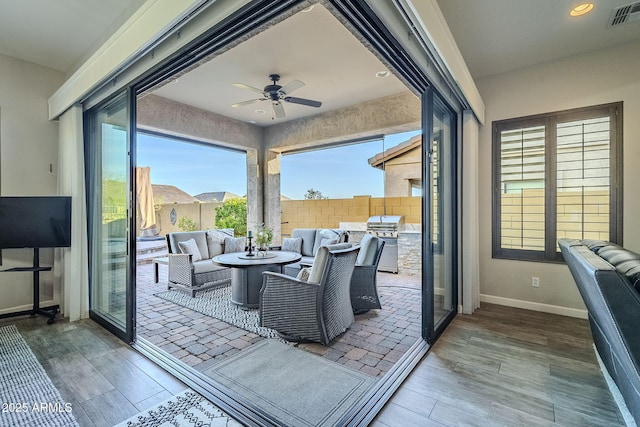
column 278, row 109
column 244, row 86
column 251, row 101
column 302, row 101
column 291, row 86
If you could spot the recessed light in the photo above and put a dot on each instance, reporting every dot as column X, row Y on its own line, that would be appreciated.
column 309, row 9
column 253, row 122
column 260, row 111
column 581, row 9
column 382, row 74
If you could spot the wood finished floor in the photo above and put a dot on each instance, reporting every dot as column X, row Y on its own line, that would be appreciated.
column 105, row 380
column 506, row 367
column 501, row 366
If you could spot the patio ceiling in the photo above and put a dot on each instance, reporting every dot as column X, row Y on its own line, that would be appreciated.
column 311, row 46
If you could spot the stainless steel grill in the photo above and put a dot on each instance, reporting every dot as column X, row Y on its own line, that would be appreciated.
column 387, row 227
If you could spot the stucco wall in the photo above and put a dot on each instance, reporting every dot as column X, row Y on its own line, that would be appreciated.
column 28, row 145
column 400, row 171
column 601, row 77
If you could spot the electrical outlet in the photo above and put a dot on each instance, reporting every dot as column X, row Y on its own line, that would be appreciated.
column 535, row 282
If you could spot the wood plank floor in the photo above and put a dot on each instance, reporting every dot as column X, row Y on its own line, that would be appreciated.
column 506, row 367
column 501, row 366
column 104, row 380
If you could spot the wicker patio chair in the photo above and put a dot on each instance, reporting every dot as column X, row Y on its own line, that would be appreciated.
column 364, row 292
column 315, row 310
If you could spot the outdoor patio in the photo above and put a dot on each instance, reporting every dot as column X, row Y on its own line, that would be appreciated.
column 371, row 345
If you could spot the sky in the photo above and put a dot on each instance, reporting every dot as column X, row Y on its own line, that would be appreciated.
column 341, row 172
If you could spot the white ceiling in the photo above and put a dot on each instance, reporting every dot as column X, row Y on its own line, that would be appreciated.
column 309, row 46
column 59, row 33
column 495, row 36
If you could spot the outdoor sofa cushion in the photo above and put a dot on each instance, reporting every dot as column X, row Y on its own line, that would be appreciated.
column 292, row 244
column 190, row 247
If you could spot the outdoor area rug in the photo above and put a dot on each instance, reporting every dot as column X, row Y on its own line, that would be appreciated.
column 27, row 395
column 217, row 303
column 298, row 388
column 187, row 408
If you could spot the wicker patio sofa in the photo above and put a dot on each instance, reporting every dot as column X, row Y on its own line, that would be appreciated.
column 306, row 242
column 190, row 268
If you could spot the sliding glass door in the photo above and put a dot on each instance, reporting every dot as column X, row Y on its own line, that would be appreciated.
column 108, row 206
column 440, row 226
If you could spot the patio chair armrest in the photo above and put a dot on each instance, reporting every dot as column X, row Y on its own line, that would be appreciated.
column 363, row 273
column 181, row 269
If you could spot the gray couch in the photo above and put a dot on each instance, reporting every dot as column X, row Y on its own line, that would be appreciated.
column 608, row 278
column 188, row 272
column 311, row 240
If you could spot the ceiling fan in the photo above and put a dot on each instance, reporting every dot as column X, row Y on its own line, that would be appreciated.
column 276, row 94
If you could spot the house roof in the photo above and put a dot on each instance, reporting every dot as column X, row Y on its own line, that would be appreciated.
column 378, row 160
column 215, row 196
column 171, row 194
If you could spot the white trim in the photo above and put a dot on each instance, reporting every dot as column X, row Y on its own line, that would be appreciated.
column 147, row 25
column 535, row 306
column 429, row 23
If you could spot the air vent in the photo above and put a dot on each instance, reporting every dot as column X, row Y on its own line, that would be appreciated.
column 625, row 14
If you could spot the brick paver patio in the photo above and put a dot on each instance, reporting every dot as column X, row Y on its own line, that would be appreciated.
column 371, row 345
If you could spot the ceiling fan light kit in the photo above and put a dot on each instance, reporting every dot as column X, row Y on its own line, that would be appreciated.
column 276, row 94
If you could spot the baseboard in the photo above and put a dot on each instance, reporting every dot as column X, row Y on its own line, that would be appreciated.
column 25, row 307
column 535, row 306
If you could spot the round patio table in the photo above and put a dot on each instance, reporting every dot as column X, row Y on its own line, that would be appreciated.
column 246, row 273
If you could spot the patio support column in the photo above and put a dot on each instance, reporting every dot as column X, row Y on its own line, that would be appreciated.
column 272, row 194
column 254, row 190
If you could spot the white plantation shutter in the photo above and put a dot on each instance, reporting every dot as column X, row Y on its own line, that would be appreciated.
column 556, row 175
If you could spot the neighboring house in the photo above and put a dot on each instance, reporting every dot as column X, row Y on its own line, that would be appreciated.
column 402, row 166
column 216, row 196
column 167, row 194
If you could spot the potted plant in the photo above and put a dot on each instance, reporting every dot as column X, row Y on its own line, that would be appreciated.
column 264, row 236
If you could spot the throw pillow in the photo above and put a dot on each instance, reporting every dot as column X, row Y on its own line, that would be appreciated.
column 190, row 247
column 303, row 274
column 327, row 242
column 215, row 242
column 292, row 244
column 233, row 244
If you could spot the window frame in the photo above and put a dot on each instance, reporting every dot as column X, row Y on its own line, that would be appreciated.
column 550, row 121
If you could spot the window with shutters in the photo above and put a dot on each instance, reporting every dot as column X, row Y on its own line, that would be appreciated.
column 556, row 175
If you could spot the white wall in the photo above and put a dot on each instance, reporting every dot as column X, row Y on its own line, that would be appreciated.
column 605, row 76
column 28, row 144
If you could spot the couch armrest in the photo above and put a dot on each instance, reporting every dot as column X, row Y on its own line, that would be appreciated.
column 181, row 269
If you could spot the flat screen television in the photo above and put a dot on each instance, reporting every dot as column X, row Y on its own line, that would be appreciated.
column 35, row 222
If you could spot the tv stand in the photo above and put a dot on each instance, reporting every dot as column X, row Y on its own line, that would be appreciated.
column 50, row 311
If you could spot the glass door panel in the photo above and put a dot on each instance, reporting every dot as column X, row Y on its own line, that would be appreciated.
column 108, row 212
column 440, row 296
column 443, row 218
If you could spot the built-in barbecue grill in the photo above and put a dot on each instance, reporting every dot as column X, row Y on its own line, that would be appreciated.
column 387, row 227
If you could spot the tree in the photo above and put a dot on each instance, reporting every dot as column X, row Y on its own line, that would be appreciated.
column 312, row 194
column 187, row 224
column 232, row 213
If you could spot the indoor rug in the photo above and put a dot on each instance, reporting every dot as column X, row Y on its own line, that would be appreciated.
column 187, row 408
column 27, row 395
column 298, row 388
column 217, row 303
